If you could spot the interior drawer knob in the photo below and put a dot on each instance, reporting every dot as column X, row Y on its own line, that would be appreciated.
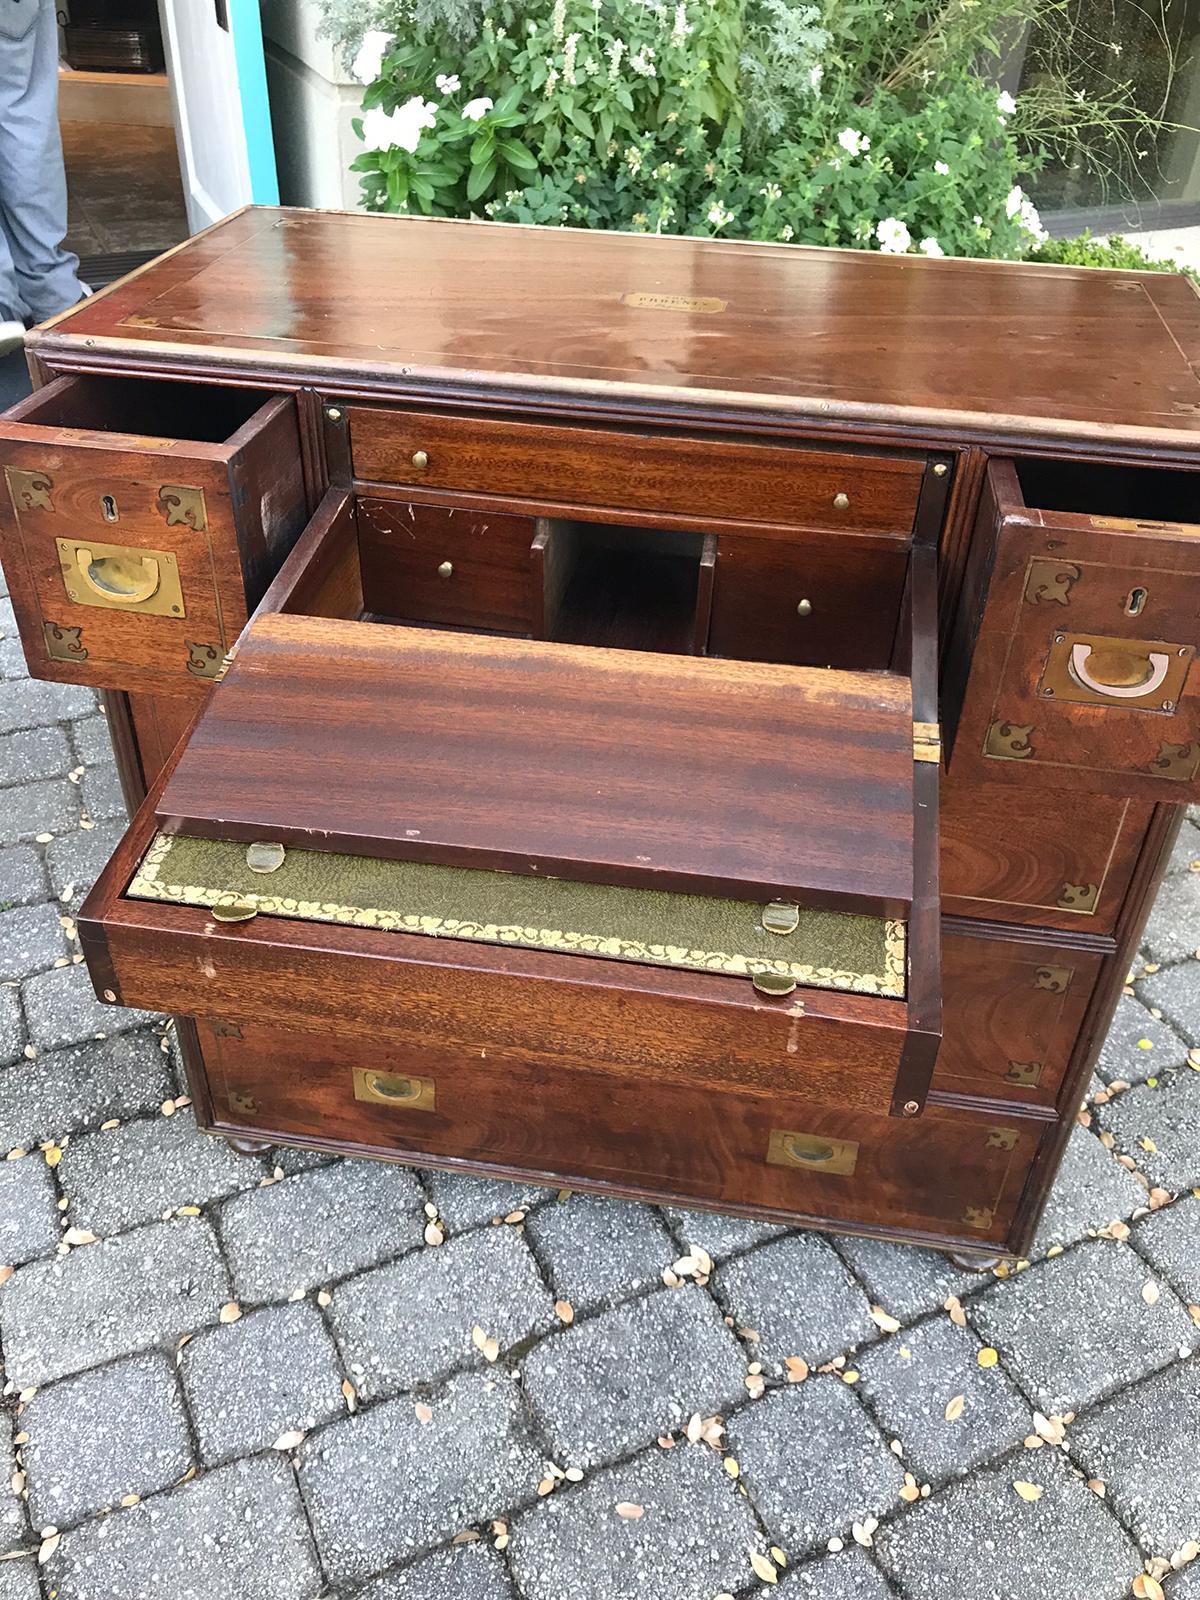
column 420, row 460
column 841, row 501
column 804, row 609
column 446, row 569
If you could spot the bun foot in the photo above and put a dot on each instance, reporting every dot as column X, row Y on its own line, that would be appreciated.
column 246, row 1146
column 967, row 1263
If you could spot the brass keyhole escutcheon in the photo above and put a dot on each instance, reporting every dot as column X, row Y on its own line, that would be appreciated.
column 108, row 508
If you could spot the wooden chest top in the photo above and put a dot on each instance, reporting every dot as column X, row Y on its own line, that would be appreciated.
column 422, row 304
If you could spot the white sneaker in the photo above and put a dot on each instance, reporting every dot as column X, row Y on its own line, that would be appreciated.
column 12, row 336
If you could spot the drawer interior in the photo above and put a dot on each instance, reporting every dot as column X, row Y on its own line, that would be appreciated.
column 1138, row 494
column 146, row 407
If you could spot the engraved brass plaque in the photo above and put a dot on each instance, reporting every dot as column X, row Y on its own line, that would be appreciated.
column 650, row 301
column 812, row 1151
column 121, row 577
column 63, row 644
column 1132, row 674
column 183, row 507
column 29, row 491
column 398, row 1089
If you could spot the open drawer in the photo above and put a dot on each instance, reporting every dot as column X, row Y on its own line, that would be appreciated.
column 140, row 522
column 665, row 867
column 1083, row 673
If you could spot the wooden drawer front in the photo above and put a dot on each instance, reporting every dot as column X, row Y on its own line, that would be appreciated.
column 811, row 602
column 1012, row 1011
column 423, row 563
column 1023, row 856
column 950, row 1174
column 1083, row 676
column 134, row 560
column 701, row 478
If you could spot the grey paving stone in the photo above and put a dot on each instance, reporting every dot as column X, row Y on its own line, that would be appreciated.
column 62, row 1009
column 110, row 1299
column 61, row 1091
column 382, row 1485
column 91, row 739
column 467, row 1202
column 848, row 1576
column 595, row 1249
column 1143, row 1445
column 1092, row 1189
column 1185, row 1585
column 14, row 1528
column 32, row 754
column 320, row 1226
column 1166, row 1116
column 134, row 1173
column 12, row 1026
column 251, row 1381
column 1170, row 1240
column 102, row 796
column 23, row 879
column 31, row 938
column 51, row 806
column 293, row 1160
column 1124, row 1054
column 8, row 618
column 720, row 1235
column 905, row 1281
column 1173, row 931
column 460, row 1572
column 102, row 1435
column 606, row 1386
column 1175, row 991
column 30, row 703
column 1075, row 1328
column 813, row 1463
column 235, row 1534
column 909, row 1379
column 798, row 1296
column 12, row 659
column 981, row 1539
column 411, row 1321
column 692, row 1541
column 1186, row 849
column 29, row 1215
column 76, row 859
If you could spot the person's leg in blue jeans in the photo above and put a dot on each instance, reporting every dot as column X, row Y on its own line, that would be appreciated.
column 37, row 276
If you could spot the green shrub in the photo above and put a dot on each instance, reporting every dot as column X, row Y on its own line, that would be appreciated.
column 1116, row 252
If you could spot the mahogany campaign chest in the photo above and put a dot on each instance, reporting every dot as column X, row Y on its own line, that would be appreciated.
column 696, row 720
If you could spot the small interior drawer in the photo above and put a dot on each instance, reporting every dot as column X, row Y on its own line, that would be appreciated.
column 638, row 472
column 810, row 600
column 140, row 522
column 446, row 564
column 1083, row 672
column 789, row 1154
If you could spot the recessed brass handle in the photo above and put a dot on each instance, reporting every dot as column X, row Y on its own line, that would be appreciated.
column 1118, row 674
column 394, row 1089
column 124, row 580
column 420, row 460
column 787, row 1148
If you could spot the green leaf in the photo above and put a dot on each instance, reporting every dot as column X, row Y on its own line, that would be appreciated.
column 481, row 180
column 483, row 147
column 517, row 155
column 508, row 102
column 582, row 121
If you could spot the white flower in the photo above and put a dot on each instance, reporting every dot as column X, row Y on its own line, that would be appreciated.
column 853, row 142
column 771, row 191
column 1016, row 199
column 787, row 232
column 815, row 74
column 942, row 169
column 1005, row 104
column 718, row 215
column 474, row 109
column 682, row 26
column 893, row 235
column 1026, row 217
column 368, row 63
column 615, row 51
column 386, row 130
column 558, row 19
column 571, row 47
column 930, row 247
column 448, row 83
column 642, row 62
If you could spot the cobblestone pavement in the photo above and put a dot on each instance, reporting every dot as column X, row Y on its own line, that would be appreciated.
column 293, row 1377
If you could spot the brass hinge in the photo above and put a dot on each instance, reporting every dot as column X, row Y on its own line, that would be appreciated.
column 927, row 741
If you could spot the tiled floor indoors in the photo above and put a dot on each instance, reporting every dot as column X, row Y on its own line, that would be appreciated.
column 229, row 1378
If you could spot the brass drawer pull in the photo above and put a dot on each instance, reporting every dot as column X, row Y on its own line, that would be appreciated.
column 804, row 608
column 394, row 1089
column 121, row 577
column 420, row 460
column 1125, row 675
column 124, row 580
column 812, row 1150
column 841, row 502
column 446, row 569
